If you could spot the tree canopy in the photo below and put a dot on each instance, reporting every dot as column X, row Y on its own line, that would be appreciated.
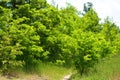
column 32, row 31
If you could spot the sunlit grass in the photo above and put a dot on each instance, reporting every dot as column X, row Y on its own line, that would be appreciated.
column 108, row 69
column 53, row 72
column 45, row 71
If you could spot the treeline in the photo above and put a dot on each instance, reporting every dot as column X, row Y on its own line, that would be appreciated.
column 34, row 32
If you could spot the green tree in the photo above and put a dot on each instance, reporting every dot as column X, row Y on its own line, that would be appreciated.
column 111, row 31
column 90, row 22
column 32, row 31
column 91, row 48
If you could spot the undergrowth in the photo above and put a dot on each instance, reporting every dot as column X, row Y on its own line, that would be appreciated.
column 108, row 69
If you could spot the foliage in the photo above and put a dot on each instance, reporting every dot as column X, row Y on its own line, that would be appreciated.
column 91, row 48
column 34, row 32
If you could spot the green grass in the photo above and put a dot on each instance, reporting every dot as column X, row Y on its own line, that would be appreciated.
column 108, row 69
column 53, row 72
column 44, row 71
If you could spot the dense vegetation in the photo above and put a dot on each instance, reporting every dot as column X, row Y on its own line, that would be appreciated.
column 33, row 31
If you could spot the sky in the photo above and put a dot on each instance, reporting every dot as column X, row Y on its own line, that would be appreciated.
column 104, row 8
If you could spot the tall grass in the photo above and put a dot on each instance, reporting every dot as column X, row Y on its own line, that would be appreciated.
column 53, row 72
column 108, row 69
column 40, row 71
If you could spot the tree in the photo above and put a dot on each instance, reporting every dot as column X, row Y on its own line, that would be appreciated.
column 32, row 31
column 91, row 48
column 87, row 7
column 90, row 22
column 111, row 31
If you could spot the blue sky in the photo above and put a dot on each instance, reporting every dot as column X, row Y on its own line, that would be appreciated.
column 104, row 8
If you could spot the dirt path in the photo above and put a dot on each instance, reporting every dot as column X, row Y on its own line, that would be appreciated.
column 67, row 77
column 118, row 78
